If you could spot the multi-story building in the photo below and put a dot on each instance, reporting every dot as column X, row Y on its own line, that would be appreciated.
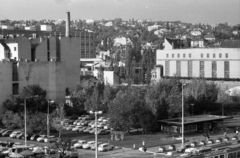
column 210, row 63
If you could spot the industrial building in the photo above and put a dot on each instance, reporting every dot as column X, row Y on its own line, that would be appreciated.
column 53, row 62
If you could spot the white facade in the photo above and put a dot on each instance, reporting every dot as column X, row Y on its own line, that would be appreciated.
column 89, row 21
column 46, row 27
column 197, row 43
column 7, row 27
column 109, row 24
column 167, row 45
column 31, row 28
column 110, row 77
column 14, row 50
column 196, row 32
column 207, row 63
column 154, row 27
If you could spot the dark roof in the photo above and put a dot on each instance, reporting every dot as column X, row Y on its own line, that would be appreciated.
column 14, row 40
column 194, row 119
column 177, row 43
column 36, row 41
column 4, row 45
column 230, row 44
column 209, row 36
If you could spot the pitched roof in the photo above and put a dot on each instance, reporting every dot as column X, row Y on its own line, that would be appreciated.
column 230, row 44
column 4, row 45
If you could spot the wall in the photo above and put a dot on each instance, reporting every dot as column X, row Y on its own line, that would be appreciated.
column 70, row 53
column 24, row 48
column 14, row 53
column 2, row 52
column 5, row 82
column 42, row 51
column 49, row 75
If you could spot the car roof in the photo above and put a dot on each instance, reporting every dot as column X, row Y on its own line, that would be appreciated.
column 104, row 144
column 91, row 142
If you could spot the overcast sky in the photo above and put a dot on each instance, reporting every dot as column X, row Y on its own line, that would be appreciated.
column 194, row 11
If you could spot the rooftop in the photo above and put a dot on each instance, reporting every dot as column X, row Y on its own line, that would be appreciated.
column 195, row 119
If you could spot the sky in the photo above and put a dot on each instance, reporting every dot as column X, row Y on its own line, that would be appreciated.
column 192, row 11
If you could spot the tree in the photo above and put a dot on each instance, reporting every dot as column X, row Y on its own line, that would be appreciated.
column 12, row 120
column 58, row 119
column 223, row 99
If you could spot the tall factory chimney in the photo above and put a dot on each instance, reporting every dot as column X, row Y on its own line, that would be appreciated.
column 67, row 25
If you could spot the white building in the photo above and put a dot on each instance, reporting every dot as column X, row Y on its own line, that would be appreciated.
column 89, row 21
column 31, row 28
column 110, row 23
column 46, row 27
column 121, row 41
column 6, row 27
column 213, row 63
column 154, row 27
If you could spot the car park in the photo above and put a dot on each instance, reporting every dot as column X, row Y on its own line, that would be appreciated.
column 7, row 133
column 81, row 129
column 14, row 134
column 105, row 147
column 76, row 128
column 28, row 136
column 88, row 144
column 87, row 130
column 102, row 132
column 2, row 131
column 92, row 131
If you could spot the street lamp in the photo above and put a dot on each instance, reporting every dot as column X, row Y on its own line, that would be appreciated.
column 183, row 84
column 25, row 115
column 96, row 145
column 48, row 129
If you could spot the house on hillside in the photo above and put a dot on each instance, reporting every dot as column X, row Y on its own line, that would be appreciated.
column 197, row 43
column 209, row 37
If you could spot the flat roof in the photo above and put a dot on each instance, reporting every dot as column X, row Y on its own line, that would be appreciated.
column 195, row 119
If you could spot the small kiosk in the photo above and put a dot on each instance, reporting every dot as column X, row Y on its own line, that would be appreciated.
column 197, row 123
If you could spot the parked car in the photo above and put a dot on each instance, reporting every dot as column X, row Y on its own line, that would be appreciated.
column 76, row 128
column 88, row 145
column 2, row 131
column 20, row 135
column 7, row 133
column 34, row 137
column 93, row 146
column 87, row 129
column 81, row 129
column 79, row 144
column 105, row 147
column 103, row 131
column 28, row 136
column 41, row 138
column 51, row 139
column 14, row 134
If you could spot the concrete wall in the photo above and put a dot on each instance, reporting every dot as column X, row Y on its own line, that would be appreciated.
column 70, row 53
column 195, row 55
column 24, row 48
column 41, row 52
column 5, row 81
column 49, row 75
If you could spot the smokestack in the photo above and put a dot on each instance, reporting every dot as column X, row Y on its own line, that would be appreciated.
column 67, row 25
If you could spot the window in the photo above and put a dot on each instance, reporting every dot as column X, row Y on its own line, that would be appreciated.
column 178, row 68
column 166, row 55
column 189, row 68
column 184, row 55
column 226, row 55
column 201, row 55
column 178, row 55
column 226, row 69
column 207, row 55
column 214, row 69
column 15, row 48
column 238, row 154
column 220, row 55
column 214, row 55
column 167, row 68
column 221, row 156
column 172, row 55
column 190, row 55
column 201, row 68
column 15, row 88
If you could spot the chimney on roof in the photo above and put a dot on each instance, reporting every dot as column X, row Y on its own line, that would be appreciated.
column 67, row 24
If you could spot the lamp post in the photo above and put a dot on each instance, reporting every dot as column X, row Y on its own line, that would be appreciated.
column 48, row 128
column 96, row 145
column 183, row 84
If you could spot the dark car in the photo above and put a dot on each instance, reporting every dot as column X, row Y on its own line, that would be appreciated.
column 7, row 133
column 28, row 136
column 34, row 137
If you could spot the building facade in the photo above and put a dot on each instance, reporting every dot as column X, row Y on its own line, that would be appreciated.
column 211, row 63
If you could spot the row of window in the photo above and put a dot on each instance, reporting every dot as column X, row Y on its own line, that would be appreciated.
column 189, row 55
column 201, row 69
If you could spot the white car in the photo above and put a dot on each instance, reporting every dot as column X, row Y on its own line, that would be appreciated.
column 75, row 129
column 70, row 127
column 50, row 139
column 41, row 138
column 79, row 144
column 14, row 134
column 88, row 145
column 105, row 147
